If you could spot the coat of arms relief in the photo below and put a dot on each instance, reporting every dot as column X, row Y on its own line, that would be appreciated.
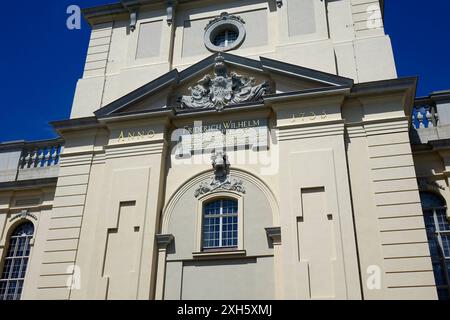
column 223, row 89
column 221, row 179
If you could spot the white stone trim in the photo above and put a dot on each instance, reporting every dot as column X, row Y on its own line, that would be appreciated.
column 199, row 226
column 219, row 26
column 196, row 179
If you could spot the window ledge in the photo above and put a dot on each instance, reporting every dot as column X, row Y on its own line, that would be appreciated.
column 219, row 254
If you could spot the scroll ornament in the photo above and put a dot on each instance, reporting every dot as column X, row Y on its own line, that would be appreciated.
column 223, row 89
column 229, row 184
column 221, row 179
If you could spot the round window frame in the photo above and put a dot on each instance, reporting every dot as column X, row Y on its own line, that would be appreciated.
column 219, row 26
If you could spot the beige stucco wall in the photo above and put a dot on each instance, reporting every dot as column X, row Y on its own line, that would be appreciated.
column 388, row 215
column 331, row 192
column 340, row 37
column 316, row 219
column 248, row 279
column 38, row 203
column 183, row 225
column 245, row 278
column 338, row 176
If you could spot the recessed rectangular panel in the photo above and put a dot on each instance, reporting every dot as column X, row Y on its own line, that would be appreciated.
column 149, row 43
column 256, row 27
column 301, row 17
column 121, row 255
column 316, row 243
column 193, row 35
column 228, row 279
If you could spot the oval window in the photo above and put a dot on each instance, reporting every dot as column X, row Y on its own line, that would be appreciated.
column 224, row 33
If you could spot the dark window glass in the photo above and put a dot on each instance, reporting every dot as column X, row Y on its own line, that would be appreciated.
column 225, row 38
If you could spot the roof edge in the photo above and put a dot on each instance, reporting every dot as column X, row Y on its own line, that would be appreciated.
column 174, row 77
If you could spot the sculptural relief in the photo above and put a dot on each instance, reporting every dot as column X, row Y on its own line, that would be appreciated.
column 223, row 90
column 222, row 179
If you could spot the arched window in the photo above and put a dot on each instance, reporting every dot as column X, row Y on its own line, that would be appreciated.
column 16, row 261
column 220, row 224
column 438, row 233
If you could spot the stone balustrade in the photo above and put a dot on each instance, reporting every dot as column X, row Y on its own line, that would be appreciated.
column 430, row 119
column 20, row 160
column 425, row 116
column 40, row 155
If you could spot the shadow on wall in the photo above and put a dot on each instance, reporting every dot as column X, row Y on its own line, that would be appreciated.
column 171, row 249
column 224, row 262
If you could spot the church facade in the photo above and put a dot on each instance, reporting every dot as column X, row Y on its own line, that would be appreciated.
column 253, row 149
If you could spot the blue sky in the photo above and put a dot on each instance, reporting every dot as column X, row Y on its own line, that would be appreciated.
column 41, row 60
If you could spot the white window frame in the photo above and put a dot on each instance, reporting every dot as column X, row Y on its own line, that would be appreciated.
column 198, row 250
column 221, row 217
column 217, row 27
column 4, row 247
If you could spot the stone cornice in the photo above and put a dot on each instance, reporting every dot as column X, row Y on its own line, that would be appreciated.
column 76, row 124
column 407, row 86
column 156, row 115
column 440, row 95
column 323, row 129
column 340, row 91
column 20, row 144
column 329, row 87
column 28, row 184
column 124, row 7
column 384, row 86
column 164, row 240
column 129, row 150
column 274, row 234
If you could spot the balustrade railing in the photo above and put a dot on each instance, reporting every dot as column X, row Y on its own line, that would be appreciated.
column 40, row 154
column 425, row 116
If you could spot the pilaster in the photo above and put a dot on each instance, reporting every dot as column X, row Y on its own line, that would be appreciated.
column 163, row 241
column 316, row 202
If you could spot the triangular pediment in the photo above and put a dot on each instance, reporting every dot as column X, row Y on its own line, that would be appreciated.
column 222, row 81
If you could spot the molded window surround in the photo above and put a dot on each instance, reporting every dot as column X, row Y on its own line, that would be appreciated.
column 232, row 32
column 438, row 234
column 201, row 252
column 15, row 262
